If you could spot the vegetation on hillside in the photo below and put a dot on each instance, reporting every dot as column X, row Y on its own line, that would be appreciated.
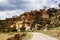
column 47, row 19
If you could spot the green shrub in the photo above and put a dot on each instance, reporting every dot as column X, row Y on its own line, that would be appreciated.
column 12, row 30
column 22, row 29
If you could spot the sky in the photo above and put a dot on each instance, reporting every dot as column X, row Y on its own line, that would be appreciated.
column 9, row 8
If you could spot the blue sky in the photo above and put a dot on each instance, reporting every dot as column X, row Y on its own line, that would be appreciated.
column 9, row 8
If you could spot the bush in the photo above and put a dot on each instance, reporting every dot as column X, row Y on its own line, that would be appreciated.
column 22, row 29
column 12, row 29
column 17, row 36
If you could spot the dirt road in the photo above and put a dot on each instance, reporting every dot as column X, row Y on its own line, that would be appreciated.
column 40, row 36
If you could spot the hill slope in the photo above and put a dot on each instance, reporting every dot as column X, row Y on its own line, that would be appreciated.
column 47, row 19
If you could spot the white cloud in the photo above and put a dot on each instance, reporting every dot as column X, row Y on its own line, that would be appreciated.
column 26, row 5
column 9, row 14
column 3, row 2
column 39, row 4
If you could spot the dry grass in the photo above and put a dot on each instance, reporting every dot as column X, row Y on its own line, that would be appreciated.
column 4, row 36
column 27, row 37
column 54, row 33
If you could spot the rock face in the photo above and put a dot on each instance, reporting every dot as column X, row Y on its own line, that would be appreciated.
column 45, row 14
column 29, row 19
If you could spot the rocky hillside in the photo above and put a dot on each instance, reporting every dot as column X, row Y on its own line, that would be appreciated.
column 43, row 18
